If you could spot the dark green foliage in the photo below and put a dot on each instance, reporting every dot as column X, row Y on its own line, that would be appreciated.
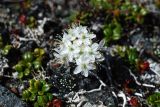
column 132, row 55
column 28, row 56
column 131, row 11
column 38, row 93
column 154, row 100
column 129, row 53
column 112, row 31
column 101, row 4
column 31, row 61
column 5, row 48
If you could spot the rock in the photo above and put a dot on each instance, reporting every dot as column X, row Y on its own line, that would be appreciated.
column 8, row 99
column 88, row 105
column 150, row 5
column 103, row 96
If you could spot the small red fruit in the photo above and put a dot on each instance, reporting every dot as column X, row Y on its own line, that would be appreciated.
column 55, row 103
column 134, row 102
column 144, row 66
column 22, row 19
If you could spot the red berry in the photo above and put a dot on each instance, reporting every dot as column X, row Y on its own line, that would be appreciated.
column 134, row 102
column 57, row 103
column 22, row 19
column 144, row 66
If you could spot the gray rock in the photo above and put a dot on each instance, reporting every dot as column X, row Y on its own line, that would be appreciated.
column 8, row 99
column 104, row 96
column 150, row 6
column 88, row 105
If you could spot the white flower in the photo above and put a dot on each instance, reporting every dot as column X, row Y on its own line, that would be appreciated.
column 76, row 46
column 94, row 53
column 15, row 75
column 84, row 66
column 66, row 37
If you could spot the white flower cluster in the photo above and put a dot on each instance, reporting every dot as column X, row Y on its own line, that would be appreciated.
column 77, row 47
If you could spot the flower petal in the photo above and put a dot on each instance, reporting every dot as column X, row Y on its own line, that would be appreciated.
column 77, row 70
column 85, row 73
column 95, row 46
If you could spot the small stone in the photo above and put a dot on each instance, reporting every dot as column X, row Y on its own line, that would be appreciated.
column 8, row 99
column 88, row 105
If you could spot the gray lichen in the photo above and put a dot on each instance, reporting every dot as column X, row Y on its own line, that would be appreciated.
column 8, row 99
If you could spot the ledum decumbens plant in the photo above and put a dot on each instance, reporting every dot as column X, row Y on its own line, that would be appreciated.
column 76, row 46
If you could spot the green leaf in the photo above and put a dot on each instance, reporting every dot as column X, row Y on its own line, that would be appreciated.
column 132, row 55
column 120, row 50
column 101, row 4
column 41, row 100
column 37, row 64
column 45, row 98
column 28, row 65
column 108, row 33
column 38, row 85
column 154, row 99
column 18, row 68
column 36, row 104
column 27, row 72
column 45, row 88
column 33, row 90
column 135, row 8
column 40, row 92
column 22, row 63
column 20, row 75
column 32, row 97
column 31, row 82
column 143, row 11
column 28, row 57
column 39, row 52
column 6, row 49
column 26, row 95
column 117, row 32
column 50, row 96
